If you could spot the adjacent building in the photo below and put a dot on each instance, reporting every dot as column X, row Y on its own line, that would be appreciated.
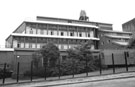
column 110, row 39
column 129, row 26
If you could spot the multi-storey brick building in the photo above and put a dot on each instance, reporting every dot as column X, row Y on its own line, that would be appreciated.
column 30, row 36
column 64, row 33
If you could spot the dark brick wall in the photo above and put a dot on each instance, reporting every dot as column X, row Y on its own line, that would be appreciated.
column 106, row 42
column 6, row 57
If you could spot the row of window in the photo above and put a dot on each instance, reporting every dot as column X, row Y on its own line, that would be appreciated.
column 47, row 40
column 33, row 45
column 59, row 33
column 39, row 45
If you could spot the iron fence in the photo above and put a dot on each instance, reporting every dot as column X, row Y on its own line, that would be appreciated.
column 58, row 74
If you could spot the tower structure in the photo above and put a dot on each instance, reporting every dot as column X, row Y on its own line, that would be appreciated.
column 83, row 16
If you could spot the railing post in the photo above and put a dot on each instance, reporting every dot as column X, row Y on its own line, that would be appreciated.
column 126, row 61
column 113, row 63
column 31, row 76
column 4, row 72
column 18, row 66
column 73, row 66
column 86, row 67
column 45, row 71
column 100, row 64
column 59, row 68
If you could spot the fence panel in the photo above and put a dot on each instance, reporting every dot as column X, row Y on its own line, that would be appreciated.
column 32, row 71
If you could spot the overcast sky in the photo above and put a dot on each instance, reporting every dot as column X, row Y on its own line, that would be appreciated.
column 14, row 12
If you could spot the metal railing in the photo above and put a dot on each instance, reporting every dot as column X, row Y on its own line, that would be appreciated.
column 113, row 69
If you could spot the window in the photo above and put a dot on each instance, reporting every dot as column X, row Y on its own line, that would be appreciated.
column 38, row 31
column 69, row 21
column 80, row 35
column 41, row 32
column 26, row 45
column 38, row 45
column 18, row 45
column 88, row 35
column 62, row 33
column 62, row 47
column 71, row 34
column 109, row 41
column 51, row 32
column 30, row 45
column 64, row 57
column 33, row 45
column 22, row 45
column 102, row 43
column 31, row 31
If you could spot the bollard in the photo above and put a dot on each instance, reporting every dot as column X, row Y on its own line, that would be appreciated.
column 4, row 72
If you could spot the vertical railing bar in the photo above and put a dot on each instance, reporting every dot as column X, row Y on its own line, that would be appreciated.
column 126, row 61
column 18, row 66
column 113, row 63
column 31, row 70
column 4, row 72
column 100, row 62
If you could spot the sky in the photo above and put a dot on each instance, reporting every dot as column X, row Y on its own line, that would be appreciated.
column 14, row 12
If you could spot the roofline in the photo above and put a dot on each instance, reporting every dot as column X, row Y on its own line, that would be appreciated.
column 18, row 26
column 71, row 20
column 15, row 30
column 128, row 21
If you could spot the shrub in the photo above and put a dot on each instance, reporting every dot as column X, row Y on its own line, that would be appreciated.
column 8, row 73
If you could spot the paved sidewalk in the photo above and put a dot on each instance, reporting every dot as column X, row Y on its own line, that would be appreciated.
column 73, row 81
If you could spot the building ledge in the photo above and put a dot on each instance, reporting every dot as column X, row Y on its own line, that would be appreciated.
column 112, row 31
column 118, row 36
column 67, row 24
column 120, row 43
column 54, row 36
column 36, row 49
column 6, row 49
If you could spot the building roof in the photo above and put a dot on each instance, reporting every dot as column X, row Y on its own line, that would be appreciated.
column 63, row 19
column 53, row 36
column 129, row 21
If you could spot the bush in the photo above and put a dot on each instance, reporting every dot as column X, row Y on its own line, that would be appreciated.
column 8, row 73
column 40, row 72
